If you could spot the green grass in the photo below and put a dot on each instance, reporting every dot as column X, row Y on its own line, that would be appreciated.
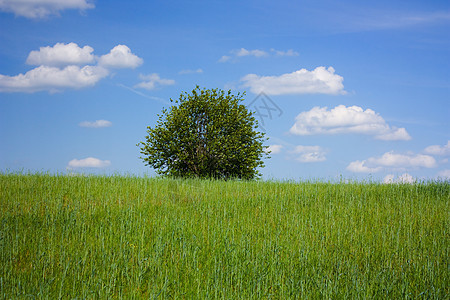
column 130, row 237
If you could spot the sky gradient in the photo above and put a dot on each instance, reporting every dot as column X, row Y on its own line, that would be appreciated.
column 343, row 90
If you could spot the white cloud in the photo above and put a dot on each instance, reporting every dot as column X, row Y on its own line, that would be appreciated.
column 241, row 53
column 61, row 55
column 319, row 81
column 274, row 149
column 445, row 174
column 392, row 161
column 404, row 178
column 35, row 9
column 289, row 52
column 361, row 167
column 63, row 66
column 342, row 119
column 308, row 154
column 198, row 71
column 244, row 52
column 235, row 54
column 120, row 57
column 52, row 79
column 96, row 124
column 151, row 81
column 225, row 58
column 394, row 134
column 438, row 150
column 89, row 162
column 389, row 178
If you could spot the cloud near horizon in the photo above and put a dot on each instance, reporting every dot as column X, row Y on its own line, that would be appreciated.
column 89, row 162
column 344, row 120
column 39, row 9
column 309, row 154
column 404, row 178
column 66, row 66
column 445, row 174
column 392, row 161
column 321, row 80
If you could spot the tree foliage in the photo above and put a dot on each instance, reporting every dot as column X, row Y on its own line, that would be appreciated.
column 206, row 134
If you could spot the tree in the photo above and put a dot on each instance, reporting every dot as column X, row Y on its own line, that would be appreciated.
column 207, row 134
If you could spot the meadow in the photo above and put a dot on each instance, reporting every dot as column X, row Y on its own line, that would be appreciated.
column 133, row 237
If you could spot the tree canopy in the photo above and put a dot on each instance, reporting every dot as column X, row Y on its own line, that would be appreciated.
column 207, row 134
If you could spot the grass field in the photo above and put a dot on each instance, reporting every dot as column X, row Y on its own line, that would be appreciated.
column 131, row 237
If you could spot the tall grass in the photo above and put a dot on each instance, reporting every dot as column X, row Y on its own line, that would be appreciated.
column 130, row 237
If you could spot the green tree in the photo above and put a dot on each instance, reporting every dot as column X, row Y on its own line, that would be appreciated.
column 206, row 134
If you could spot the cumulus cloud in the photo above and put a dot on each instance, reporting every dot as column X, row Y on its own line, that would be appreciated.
column 342, row 119
column 389, row 178
column 96, row 124
column 52, row 79
column 89, row 162
column 65, row 66
column 392, row 161
column 152, row 81
column 394, row 134
column 61, row 55
column 404, row 178
column 438, row 150
column 321, row 80
column 274, row 149
column 307, row 154
column 120, row 57
column 35, row 9
column 361, row 167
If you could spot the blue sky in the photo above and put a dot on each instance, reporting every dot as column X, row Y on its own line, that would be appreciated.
column 354, row 90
